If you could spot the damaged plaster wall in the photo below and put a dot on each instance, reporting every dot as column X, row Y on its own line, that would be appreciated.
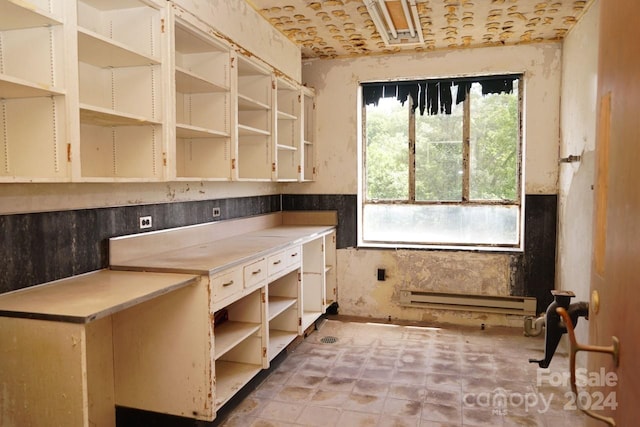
column 578, row 136
column 336, row 82
column 361, row 294
column 25, row 198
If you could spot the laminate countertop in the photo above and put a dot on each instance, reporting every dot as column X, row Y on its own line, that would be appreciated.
column 90, row 296
column 210, row 257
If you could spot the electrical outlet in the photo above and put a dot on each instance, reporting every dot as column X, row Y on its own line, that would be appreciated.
column 146, row 222
column 216, row 212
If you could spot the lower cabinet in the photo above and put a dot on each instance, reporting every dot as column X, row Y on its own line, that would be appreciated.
column 239, row 340
column 283, row 312
column 260, row 289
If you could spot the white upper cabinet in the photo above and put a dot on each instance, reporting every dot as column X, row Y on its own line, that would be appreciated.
column 120, row 90
column 34, row 132
column 142, row 91
column 288, row 131
column 202, row 86
column 254, row 115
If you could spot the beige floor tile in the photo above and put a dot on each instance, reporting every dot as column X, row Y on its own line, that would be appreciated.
column 357, row 419
column 379, row 375
column 318, row 416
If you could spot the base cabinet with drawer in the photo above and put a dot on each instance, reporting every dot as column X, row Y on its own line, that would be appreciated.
column 264, row 286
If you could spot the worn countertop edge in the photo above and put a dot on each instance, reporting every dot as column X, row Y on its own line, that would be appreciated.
column 88, row 318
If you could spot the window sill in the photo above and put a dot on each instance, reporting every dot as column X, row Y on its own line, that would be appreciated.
column 470, row 248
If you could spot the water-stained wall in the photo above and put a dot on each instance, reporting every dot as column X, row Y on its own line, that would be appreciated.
column 526, row 273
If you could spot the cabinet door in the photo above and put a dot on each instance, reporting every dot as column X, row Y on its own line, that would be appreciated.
column 120, row 46
column 34, row 132
column 330, row 280
column 313, row 281
column 200, row 78
column 308, row 161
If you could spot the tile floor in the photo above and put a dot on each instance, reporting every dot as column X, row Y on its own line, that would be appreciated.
column 392, row 375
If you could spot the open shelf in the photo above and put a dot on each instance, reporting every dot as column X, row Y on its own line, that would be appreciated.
column 244, row 130
column 103, row 52
column 14, row 87
column 188, row 82
column 99, row 116
column 279, row 340
column 16, row 14
column 231, row 333
column 188, row 131
column 230, row 378
column 279, row 304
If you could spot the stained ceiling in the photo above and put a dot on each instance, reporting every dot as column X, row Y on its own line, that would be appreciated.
column 344, row 28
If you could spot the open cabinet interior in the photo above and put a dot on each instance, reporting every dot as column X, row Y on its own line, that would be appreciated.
column 282, row 312
column 288, row 131
column 120, row 90
column 138, row 91
column 202, row 104
column 255, row 120
column 33, row 92
column 239, row 334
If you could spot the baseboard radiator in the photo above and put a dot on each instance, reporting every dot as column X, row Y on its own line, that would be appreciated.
column 525, row 306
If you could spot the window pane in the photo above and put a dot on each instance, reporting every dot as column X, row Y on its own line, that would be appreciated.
column 494, row 145
column 439, row 156
column 386, row 152
column 446, row 224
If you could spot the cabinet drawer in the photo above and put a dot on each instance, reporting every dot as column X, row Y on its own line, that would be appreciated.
column 293, row 256
column 255, row 273
column 226, row 284
column 276, row 263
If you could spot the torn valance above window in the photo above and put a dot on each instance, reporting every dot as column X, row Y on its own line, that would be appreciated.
column 435, row 95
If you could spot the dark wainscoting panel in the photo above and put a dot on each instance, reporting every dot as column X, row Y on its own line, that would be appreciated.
column 345, row 204
column 40, row 247
column 534, row 271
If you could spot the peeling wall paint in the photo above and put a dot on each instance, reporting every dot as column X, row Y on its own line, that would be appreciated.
column 361, row 294
column 578, row 135
column 336, row 82
column 24, row 198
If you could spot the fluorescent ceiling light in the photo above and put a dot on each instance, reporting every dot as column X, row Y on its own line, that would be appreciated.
column 397, row 21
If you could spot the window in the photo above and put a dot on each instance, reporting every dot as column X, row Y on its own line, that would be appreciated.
column 441, row 163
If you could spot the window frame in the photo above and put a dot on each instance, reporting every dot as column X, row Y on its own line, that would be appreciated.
column 466, row 166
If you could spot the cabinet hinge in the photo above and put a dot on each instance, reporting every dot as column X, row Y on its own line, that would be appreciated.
column 273, row 167
column 164, row 158
column 299, row 277
column 299, row 98
column 233, row 163
column 273, row 84
column 299, row 169
column 299, row 321
column 314, row 170
column 233, row 61
column 162, row 25
column 264, row 351
column 333, row 237
column 68, row 152
column 264, row 300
